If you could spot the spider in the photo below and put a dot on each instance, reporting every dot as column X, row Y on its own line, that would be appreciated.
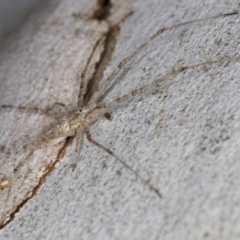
column 78, row 122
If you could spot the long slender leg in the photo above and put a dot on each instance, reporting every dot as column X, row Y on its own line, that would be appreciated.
column 90, row 139
column 95, row 98
column 143, row 89
column 37, row 110
column 79, row 142
column 30, row 109
column 84, row 81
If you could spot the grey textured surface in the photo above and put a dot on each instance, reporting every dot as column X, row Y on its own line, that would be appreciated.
column 183, row 135
column 14, row 13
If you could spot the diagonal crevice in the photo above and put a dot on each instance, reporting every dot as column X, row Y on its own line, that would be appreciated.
column 101, row 14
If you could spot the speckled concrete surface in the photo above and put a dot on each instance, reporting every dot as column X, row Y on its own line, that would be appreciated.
column 183, row 135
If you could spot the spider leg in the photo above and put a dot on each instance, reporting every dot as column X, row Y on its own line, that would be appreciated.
column 84, row 81
column 91, row 140
column 95, row 98
column 37, row 110
column 79, row 142
column 30, row 109
column 143, row 89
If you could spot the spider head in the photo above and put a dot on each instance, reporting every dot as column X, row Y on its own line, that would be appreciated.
column 83, row 110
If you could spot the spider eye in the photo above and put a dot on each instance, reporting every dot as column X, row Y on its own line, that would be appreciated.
column 82, row 109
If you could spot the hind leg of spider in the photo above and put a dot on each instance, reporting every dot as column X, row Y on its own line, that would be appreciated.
column 91, row 140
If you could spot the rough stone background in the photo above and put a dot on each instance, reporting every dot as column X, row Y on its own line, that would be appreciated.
column 182, row 135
